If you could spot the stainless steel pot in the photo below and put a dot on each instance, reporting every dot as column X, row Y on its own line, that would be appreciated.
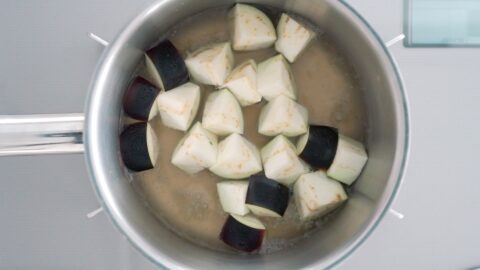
column 387, row 140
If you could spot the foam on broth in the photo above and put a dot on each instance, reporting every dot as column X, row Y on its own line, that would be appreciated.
column 188, row 204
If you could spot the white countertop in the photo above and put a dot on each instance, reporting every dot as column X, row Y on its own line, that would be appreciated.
column 46, row 60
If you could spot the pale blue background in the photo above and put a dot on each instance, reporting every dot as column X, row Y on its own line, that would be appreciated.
column 443, row 22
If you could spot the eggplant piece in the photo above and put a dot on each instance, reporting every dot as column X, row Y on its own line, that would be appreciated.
column 244, row 233
column 211, row 64
column 274, row 78
column 324, row 148
column 318, row 146
column 315, row 195
column 283, row 116
column 222, row 114
column 293, row 37
column 250, row 28
column 232, row 196
column 350, row 158
column 139, row 99
column 166, row 66
column 179, row 106
column 196, row 151
column 242, row 82
column 139, row 147
column 237, row 158
column 266, row 197
column 281, row 162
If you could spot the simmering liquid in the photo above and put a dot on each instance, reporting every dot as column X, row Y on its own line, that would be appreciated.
column 188, row 204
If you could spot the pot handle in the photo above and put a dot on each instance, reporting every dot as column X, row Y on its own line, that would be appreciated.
column 41, row 134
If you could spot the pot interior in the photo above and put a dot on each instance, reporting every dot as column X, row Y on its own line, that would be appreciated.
column 385, row 136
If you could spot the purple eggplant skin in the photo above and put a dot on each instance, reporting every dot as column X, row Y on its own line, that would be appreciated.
column 267, row 193
column 134, row 149
column 170, row 64
column 139, row 98
column 241, row 237
column 321, row 146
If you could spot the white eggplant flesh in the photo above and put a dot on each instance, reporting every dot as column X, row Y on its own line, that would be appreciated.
column 222, row 114
column 179, row 106
column 263, row 212
column 293, row 37
column 283, row 116
column 250, row 221
column 196, row 151
column 149, row 71
column 232, row 196
column 281, row 162
column 316, row 194
column 250, row 28
column 242, row 82
column 211, row 64
column 274, row 78
column 153, row 145
column 237, row 158
column 349, row 160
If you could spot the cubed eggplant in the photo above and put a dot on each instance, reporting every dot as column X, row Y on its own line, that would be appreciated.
column 242, row 82
column 232, row 196
column 324, row 148
column 318, row 146
column 281, row 162
column 139, row 99
column 283, row 116
column 250, row 28
column 237, row 158
column 350, row 158
column 196, row 151
column 211, row 64
column 166, row 65
column 139, row 147
column 244, row 233
column 266, row 197
column 274, row 78
column 179, row 106
column 316, row 194
column 222, row 114
column 293, row 37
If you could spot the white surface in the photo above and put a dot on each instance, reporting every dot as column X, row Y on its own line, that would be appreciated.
column 43, row 208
